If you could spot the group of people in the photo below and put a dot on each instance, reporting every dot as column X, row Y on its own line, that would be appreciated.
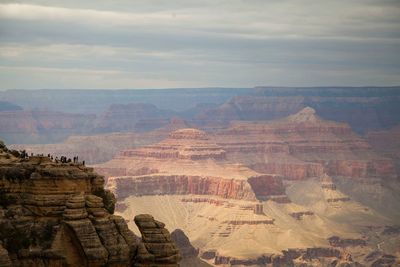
column 64, row 159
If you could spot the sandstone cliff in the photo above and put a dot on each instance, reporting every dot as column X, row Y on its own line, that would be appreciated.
column 58, row 214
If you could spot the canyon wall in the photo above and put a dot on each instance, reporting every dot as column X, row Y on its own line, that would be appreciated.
column 303, row 145
column 181, row 185
column 59, row 214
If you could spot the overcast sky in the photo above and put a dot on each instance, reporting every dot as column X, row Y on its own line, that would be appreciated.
column 184, row 43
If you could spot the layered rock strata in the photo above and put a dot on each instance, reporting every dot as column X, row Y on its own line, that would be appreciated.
column 259, row 187
column 58, row 214
column 188, row 162
column 182, row 144
column 301, row 146
column 156, row 248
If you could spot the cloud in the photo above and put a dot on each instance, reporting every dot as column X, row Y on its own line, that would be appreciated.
column 208, row 43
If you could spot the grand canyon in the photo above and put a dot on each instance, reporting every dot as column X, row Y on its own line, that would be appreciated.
column 258, row 177
column 187, row 133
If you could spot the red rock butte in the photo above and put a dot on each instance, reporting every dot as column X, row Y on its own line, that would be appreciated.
column 181, row 144
column 188, row 162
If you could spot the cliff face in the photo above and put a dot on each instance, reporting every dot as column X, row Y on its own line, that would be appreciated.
column 58, row 214
column 255, row 187
column 303, row 145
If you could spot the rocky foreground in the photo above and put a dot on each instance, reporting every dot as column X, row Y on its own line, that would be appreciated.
column 58, row 214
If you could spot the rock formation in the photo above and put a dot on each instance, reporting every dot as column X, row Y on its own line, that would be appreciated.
column 301, row 146
column 188, row 162
column 157, row 247
column 182, row 242
column 58, row 214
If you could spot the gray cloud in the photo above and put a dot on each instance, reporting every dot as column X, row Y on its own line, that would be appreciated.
column 153, row 44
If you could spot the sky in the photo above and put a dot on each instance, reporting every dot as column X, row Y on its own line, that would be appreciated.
column 212, row 43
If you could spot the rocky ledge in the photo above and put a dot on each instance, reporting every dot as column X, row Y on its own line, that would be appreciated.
column 59, row 214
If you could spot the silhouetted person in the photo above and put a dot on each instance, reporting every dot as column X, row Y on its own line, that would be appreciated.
column 83, row 162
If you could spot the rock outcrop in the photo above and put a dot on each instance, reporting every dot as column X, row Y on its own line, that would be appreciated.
column 157, row 247
column 183, row 243
column 58, row 214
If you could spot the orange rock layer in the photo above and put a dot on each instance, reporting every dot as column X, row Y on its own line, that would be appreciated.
column 251, row 189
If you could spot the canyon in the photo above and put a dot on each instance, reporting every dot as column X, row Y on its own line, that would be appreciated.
column 238, row 193
column 264, row 177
